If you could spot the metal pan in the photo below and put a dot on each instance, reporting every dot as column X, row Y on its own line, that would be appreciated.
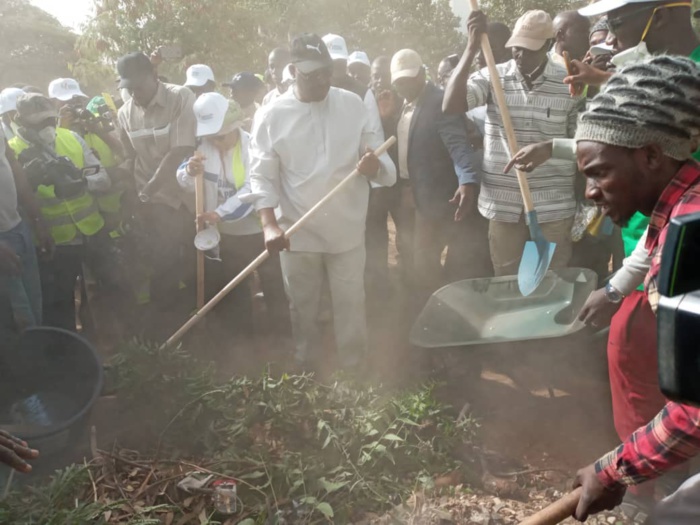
column 492, row 310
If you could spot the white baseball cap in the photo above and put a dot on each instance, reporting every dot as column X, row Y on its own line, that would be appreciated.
column 532, row 30
column 64, row 89
column 359, row 57
column 215, row 113
column 8, row 99
column 605, row 6
column 198, row 75
column 405, row 63
column 337, row 47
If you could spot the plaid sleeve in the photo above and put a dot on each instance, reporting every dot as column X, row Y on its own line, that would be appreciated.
column 672, row 438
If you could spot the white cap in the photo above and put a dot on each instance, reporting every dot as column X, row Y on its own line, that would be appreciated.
column 605, row 6
column 359, row 57
column 198, row 75
column 64, row 89
column 216, row 114
column 405, row 63
column 532, row 30
column 336, row 46
column 8, row 99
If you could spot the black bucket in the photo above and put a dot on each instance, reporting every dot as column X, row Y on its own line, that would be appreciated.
column 49, row 381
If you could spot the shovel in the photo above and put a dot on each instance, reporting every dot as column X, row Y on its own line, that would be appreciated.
column 557, row 511
column 199, row 315
column 538, row 252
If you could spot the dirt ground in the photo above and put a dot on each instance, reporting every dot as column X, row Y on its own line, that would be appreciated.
column 543, row 404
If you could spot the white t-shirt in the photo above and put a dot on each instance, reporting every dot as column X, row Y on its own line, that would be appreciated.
column 9, row 216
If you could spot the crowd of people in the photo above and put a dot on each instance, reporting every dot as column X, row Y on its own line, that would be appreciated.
column 605, row 103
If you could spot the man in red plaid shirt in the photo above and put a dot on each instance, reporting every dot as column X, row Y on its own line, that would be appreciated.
column 634, row 147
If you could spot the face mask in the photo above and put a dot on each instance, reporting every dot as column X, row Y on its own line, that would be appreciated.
column 633, row 54
column 640, row 51
column 48, row 135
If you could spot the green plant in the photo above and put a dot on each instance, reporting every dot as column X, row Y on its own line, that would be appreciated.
column 299, row 448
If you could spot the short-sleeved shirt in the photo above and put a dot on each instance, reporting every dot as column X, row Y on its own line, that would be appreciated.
column 9, row 215
column 545, row 112
column 149, row 133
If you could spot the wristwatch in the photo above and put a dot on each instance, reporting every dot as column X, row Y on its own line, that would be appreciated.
column 612, row 295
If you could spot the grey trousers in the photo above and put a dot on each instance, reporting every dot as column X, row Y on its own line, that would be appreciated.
column 303, row 274
column 682, row 507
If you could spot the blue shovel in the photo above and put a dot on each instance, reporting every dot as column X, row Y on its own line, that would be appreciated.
column 538, row 252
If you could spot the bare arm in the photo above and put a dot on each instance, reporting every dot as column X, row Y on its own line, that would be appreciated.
column 455, row 100
column 165, row 175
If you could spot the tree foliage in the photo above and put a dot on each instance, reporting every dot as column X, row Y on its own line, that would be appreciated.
column 509, row 11
column 236, row 35
column 36, row 48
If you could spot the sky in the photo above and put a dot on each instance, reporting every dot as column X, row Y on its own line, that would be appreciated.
column 71, row 13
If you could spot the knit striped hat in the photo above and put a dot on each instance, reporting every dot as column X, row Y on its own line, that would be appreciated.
column 600, row 25
column 656, row 101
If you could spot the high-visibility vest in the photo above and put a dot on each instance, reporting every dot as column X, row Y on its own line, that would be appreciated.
column 238, row 167
column 65, row 217
column 110, row 202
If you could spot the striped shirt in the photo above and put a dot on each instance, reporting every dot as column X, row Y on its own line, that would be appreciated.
column 545, row 112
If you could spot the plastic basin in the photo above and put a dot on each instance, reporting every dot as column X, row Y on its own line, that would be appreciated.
column 49, row 381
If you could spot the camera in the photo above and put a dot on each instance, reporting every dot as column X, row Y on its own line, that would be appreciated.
column 86, row 121
column 47, row 169
column 678, row 315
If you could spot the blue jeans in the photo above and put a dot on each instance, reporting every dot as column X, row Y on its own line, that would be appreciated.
column 24, row 291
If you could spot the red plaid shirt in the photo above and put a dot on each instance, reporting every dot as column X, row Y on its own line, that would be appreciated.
column 673, row 436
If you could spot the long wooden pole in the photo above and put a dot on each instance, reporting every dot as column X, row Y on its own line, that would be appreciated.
column 199, row 209
column 264, row 255
column 505, row 113
column 557, row 511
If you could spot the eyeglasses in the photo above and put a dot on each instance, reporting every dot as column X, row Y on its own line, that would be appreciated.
column 614, row 24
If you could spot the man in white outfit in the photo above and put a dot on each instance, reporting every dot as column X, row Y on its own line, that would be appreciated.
column 302, row 146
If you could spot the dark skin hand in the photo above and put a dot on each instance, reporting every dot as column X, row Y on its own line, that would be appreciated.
column 275, row 239
column 530, row 157
column 598, row 311
column 455, row 100
column 14, row 452
column 464, row 198
column 164, row 175
column 584, row 74
column 595, row 497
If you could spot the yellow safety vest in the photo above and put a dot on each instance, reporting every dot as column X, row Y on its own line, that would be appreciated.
column 237, row 167
column 65, row 217
column 110, row 202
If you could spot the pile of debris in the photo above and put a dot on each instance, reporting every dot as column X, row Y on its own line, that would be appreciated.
column 477, row 508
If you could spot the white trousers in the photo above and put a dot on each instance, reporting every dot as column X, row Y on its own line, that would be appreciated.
column 303, row 274
column 682, row 507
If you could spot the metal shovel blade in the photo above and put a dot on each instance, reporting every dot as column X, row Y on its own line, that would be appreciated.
column 536, row 259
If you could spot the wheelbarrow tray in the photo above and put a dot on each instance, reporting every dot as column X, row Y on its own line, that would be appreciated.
column 492, row 310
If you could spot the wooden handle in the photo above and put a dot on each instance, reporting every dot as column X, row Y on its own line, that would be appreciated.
column 199, row 209
column 505, row 114
column 557, row 511
column 201, row 312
